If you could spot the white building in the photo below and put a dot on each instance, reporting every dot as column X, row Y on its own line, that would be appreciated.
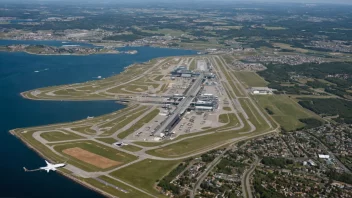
column 323, row 156
column 261, row 91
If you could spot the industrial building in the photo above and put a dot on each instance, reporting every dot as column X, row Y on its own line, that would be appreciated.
column 182, row 71
column 261, row 91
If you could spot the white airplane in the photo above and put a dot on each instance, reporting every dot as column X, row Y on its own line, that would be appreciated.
column 48, row 168
column 52, row 167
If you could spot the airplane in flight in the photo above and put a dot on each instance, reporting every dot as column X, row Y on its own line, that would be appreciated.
column 49, row 167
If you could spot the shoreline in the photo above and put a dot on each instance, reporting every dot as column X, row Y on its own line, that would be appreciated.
column 84, row 184
column 95, row 44
column 48, row 99
column 24, row 51
column 23, row 94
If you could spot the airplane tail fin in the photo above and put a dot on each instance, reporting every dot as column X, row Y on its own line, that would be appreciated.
column 24, row 168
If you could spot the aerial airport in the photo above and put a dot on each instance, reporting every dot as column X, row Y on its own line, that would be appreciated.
column 186, row 100
column 177, row 108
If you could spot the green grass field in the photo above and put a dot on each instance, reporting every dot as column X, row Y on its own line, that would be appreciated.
column 59, row 136
column 127, row 119
column 103, row 187
column 274, row 28
column 107, row 140
column 144, row 174
column 165, row 31
column 285, row 111
column 85, row 130
column 131, row 148
column 193, row 66
column 227, row 108
column 251, row 79
column 132, row 193
column 158, row 77
column 252, row 113
column 28, row 138
column 96, row 148
column 223, row 118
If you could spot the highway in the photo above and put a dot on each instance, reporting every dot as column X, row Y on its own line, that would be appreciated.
column 245, row 182
column 207, row 170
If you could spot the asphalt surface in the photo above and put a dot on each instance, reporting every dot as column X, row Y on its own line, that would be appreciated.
column 245, row 182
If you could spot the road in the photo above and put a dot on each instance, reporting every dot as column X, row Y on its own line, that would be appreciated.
column 245, row 182
column 210, row 167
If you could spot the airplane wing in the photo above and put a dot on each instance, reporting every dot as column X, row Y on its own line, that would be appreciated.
column 47, row 163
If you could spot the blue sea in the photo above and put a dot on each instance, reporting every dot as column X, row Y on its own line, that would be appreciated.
column 20, row 72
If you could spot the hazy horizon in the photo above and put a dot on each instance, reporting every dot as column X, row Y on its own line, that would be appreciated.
column 186, row 1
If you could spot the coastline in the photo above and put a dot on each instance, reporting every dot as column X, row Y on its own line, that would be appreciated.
column 67, row 54
column 108, row 42
column 12, row 132
column 44, row 99
column 91, row 184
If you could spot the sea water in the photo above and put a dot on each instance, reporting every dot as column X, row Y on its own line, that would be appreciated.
column 21, row 72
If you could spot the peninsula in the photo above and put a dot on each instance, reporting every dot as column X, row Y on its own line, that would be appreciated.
column 178, row 108
column 63, row 50
column 263, row 110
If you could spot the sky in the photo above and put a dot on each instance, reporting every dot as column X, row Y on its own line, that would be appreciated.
column 176, row 1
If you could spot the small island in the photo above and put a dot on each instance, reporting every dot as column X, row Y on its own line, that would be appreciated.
column 63, row 50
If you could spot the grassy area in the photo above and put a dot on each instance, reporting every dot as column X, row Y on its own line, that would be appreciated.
column 158, row 77
column 251, row 79
column 233, row 27
column 59, row 136
column 131, row 148
column 111, row 190
column 274, row 28
column 223, row 118
column 127, row 89
column 289, row 47
column 166, row 31
column 227, row 90
column 253, row 114
column 139, row 124
column 107, row 140
column 227, row 108
column 132, row 193
column 110, row 121
column 104, row 187
column 230, row 80
column 27, row 136
column 126, row 120
column 193, row 65
column 73, row 91
column 284, row 110
column 85, row 130
column 95, row 148
column 144, row 174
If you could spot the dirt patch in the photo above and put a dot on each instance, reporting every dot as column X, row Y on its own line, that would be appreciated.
column 91, row 158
